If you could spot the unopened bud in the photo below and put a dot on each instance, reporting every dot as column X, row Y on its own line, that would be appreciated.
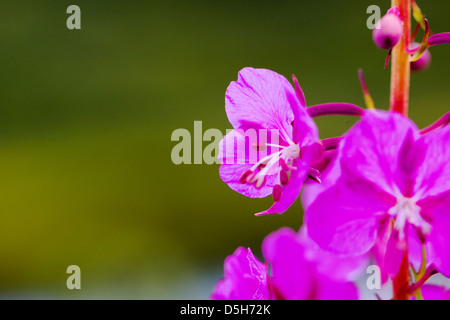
column 388, row 30
column 423, row 62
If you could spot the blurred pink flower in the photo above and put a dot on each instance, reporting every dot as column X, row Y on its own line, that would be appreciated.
column 295, row 270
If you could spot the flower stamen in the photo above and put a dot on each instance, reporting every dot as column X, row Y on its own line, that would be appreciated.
column 258, row 172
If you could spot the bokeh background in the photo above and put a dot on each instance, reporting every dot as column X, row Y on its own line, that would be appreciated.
column 86, row 118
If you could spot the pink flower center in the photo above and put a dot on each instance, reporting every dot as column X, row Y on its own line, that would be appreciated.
column 406, row 210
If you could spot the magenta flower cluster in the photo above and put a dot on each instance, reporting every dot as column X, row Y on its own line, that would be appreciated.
column 379, row 193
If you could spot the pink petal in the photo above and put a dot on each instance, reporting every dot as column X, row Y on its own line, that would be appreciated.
column 329, row 289
column 379, row 249
column 435, row 171
column 369, row 151
column 433, row 292
column 295, row 274
column 335, row 266
column 411, row 157
column 291, row 274
column 245, row 278
column 305, row 131
column 230, row 175
column 395, row 252
column 259, row 96
column 439, row 38
column 388, row 251
column 299, row 92
column 247, row 147
column 438, row 210
column 329, row 177
column 415, row 249
column 291, row 191
column 237, row 155
column 345, row 218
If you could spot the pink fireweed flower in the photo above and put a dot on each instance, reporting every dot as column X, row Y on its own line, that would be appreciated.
column 295, row 269
column 386, row 175
column 278, row 162
column 330, row 175
column 275, row 140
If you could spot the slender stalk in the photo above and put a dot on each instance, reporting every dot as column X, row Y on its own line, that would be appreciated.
column 400, row 83
column 400, row 73
column 335, row 108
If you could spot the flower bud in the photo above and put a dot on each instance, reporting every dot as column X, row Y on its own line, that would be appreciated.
column 423, row 62
column 388, row 30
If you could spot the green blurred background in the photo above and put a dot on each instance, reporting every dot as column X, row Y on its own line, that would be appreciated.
column 86, row 118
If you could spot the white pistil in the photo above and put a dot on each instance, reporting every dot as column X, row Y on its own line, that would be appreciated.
column 291, row 152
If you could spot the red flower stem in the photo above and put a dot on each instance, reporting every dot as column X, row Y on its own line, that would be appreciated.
column 400, row 72
column 402, row 280
column 400, row 81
